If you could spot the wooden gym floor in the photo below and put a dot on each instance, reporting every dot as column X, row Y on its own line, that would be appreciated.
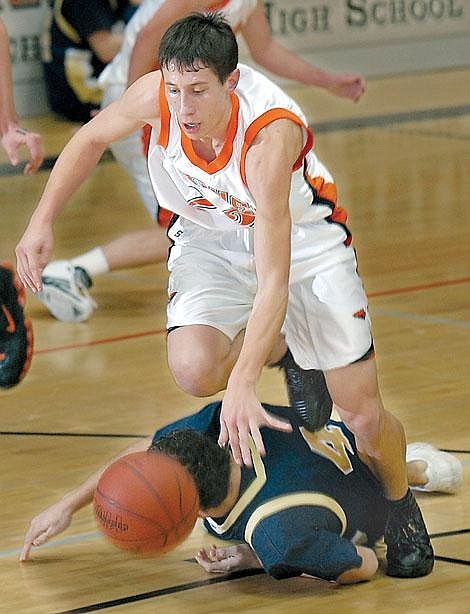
column 401, row 159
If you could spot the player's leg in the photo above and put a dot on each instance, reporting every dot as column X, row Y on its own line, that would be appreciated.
column 210, row 302
column 328, row 327
column 201, row 358
column 379, row 435
column 67, row 282
column 130, row 250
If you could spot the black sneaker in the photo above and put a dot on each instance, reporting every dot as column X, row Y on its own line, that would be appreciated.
column 409, row 549
column 308, row 394
column 16, row 333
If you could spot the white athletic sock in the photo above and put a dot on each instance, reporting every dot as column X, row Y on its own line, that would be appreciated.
column 94, row 262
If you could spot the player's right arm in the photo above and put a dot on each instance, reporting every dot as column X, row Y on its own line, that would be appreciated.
column 56, row 518
column 138, row 106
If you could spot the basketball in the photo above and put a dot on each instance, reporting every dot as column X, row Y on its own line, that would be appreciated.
column 146, row 503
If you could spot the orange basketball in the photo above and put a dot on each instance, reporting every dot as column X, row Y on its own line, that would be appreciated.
column 146, row 502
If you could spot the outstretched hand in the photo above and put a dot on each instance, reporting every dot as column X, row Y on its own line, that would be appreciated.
column 45, row 525
column 242, row 415
column 33, row 253
column 14, row 138
column 223, row 560
column 350, row 86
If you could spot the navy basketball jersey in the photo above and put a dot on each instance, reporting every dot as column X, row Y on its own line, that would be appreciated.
column 303, row 504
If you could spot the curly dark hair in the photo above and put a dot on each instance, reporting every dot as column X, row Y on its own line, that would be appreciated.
column 208, row 463
column 200, row 40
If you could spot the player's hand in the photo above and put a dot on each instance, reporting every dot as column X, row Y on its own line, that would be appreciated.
column 223, row 560
column 347, row 86
column 242, row 415
column 45, row 525
column 33, row 253
column 16, row 137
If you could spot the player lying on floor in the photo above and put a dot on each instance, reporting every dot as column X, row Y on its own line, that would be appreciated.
column 309, row 506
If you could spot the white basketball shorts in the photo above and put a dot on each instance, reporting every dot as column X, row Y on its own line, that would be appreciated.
column 213, row 282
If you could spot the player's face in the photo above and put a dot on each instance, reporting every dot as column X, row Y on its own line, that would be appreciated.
column 201, row 103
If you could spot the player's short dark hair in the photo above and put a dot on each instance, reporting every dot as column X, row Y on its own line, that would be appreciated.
column 200, row 40
column 208, row 463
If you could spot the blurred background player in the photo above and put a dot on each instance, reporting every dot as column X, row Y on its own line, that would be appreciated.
column 79, row 38
column 66, row 283
column 12, row 135
column 16, row 337
column 310, row 505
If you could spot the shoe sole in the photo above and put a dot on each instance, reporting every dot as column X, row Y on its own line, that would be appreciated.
column 27, row 323
column 52, row 296
column 407, row 572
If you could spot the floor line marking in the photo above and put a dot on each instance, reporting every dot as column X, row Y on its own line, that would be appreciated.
column 131, row 336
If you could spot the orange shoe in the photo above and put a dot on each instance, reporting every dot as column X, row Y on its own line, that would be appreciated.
column 16, row 333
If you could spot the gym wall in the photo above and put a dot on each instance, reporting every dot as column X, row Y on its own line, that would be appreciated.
column 375, row 37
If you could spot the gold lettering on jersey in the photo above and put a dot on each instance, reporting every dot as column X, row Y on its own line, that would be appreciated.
column 331, row 443
column 239, row 211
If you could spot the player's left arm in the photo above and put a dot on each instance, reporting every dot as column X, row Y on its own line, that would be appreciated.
column 11, row 134
column 272, row 56
column 269, row 164
column 56, row 518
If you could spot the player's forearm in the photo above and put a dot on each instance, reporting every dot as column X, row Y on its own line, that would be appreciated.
column 144, row 55
column 74, row 165
column 272, row 250
column 262, row 331
column 83, row 495
column 7, row 107
column 280, row 61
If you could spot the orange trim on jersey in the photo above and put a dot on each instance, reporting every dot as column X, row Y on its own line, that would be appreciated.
column 145, row 135
column 164, row 117
column 327, row 190
column 261, row 122
column 226, row 152
column 324, row 189
column 164, row 217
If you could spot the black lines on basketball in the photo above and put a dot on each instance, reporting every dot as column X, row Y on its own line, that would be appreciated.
column 146, row 502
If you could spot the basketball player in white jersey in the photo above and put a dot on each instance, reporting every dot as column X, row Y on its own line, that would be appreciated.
column 66, row 283
column 260, row 247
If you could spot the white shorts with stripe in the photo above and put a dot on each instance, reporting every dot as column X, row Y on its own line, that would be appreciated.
column 213, row 282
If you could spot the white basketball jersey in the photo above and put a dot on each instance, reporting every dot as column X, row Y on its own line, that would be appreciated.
column 215, row 194
column 235, row 12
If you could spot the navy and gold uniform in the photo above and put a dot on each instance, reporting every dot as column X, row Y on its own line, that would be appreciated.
column 70, row 66
column 302, row 505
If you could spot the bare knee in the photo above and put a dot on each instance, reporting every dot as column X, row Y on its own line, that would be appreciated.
column 365, row 424
column 194, row 373
column 201, row 358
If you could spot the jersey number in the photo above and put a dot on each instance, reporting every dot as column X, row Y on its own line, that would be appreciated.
column 331, row 443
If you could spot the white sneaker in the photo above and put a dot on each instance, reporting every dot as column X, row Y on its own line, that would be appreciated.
column 65, row 291
column 444, row 471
